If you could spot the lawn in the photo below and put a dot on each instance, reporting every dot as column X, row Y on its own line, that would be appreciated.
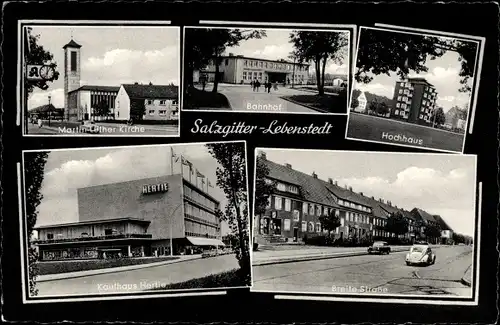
column 366, row 127
column 199, row 99
column 325, row 103
column 328, row 89
column 233, row 278
column 57, row 267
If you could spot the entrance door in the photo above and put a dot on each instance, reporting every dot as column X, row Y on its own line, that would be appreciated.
column 295, row 234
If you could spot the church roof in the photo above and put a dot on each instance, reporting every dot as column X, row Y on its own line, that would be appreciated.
column 73, row 44
column 110, row 89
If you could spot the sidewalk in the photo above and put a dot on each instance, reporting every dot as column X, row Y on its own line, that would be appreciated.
column 467, row 278
column 71, row 275
column 307, row 254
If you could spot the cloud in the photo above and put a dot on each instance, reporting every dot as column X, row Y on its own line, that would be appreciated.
column 158, row 66
column 37, row 99
column 415, row 186
column 376, row 88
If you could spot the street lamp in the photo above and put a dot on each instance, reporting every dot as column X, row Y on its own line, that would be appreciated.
column 170, row 228
column 50, row 97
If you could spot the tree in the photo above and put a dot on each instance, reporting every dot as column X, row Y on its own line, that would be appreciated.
column 386, row 52
column 263, row 187
column 438, row 117
column 379, row 107
column 137, row 109
column 462, row 113
column 319, row 47
column 207, row 45
column 432, row 231
column 354, row 102
column 329, row 222
column 38, row 55
column 397, row 224
column 34, row 164
column 232, row 179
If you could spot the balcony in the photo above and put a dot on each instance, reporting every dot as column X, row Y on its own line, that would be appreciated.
column 93, row 238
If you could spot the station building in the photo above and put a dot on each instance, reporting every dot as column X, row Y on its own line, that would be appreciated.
column 238, row 69
column 299, row 200
column 90, row 102
column 146, row 217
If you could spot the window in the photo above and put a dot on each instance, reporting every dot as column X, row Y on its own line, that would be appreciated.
column 281, row 187
column 401, row 91
column 296, row 215
column 341, row 202
column 342, row 222
column 269, row 201
column 337, row 213
column 318, row 210
column 403, row 106
column 286, row 225
column 261, row 64
column 310, row 227
column 293, row 189
column 162, row 112
column 288, row 205
column 318, row 226
column 277, row 203
column 260, row 74
column 73, row 61
column 304, row 226
column 402, row 84
column 50, row 236
column 311, row 209
column 244, row 75
column 227, row 62
column 150, row 102
column 151, row 112
column 304, row 208
column 421, row 116
column 163, row 102
column 245, row 63
column 108, row 232
column 397, row 105
column 399, row 97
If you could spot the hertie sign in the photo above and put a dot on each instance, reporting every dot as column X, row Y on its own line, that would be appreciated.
column 158, row 188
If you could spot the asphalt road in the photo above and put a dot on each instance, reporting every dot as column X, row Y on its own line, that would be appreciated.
column 371, row 274
column 140, row 279
column 367, row 127
column 243, row 99
column 109, row 129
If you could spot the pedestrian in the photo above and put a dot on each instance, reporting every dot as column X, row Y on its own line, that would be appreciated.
column 257, row 85
column 40, row 122
column 251, row 85
column 275, row 86
column 203, row 83
column 268, row 86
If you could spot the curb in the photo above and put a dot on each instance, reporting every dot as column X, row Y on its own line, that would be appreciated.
column 304, row 105
column 464, row 279
column 81, row 274
column 317, row 257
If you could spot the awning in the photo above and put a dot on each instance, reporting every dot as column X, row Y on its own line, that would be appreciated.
column 200, row 241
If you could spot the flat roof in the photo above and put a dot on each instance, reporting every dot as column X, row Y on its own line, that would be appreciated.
column 92, row 222
column 258, row 59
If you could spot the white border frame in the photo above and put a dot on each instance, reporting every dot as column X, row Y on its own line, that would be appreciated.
column 424, row 32
column 20, row 118
column 24, row 242
column 350, row 29
column 386, row 298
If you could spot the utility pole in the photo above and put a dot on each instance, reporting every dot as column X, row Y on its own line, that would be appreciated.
column 49, row 110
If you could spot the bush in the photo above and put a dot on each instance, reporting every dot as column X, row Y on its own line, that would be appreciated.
column 320, row 240
column 57, row 267
column 233, row 278
column 144, row 122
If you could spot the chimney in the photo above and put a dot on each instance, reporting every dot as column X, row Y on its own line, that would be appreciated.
column 361, row 193
column 262, row 155
column 373, row 198
column 336, row 183
column 288, row 166
column 314, row 175
column 231, row 54
column 350, row 188
column 136, row 83
column 330, row 181
column 380, row 200
column 390, row 203
column 150, row 83
column 396, row 206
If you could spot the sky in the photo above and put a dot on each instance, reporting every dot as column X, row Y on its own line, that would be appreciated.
column 437, row 183
column 442, row 72
column 276, row 46
column 68, row 170
column 111, row 56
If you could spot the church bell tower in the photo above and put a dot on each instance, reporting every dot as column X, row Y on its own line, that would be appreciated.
column 72, row 61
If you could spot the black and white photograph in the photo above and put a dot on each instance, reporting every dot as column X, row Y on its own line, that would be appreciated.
column 364, row 224
column 83, row 79
column 414, row 89
column 267, row 70
column 131, row 220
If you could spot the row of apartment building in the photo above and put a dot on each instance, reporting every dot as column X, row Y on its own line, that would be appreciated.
column 299, row 200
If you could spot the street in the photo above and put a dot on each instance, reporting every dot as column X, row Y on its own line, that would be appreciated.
column 140, row 279
column 243, row 99
column 375, row 274
column 372, row 128
column 106, row 129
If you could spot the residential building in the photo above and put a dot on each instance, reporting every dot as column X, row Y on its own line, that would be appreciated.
column 415, row 101
column 145, row 217
column 239, row 69
column 362, row 104
column 159, row 102
column 424, row 219
column 299, row 200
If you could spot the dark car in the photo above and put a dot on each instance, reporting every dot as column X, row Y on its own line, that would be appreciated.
column 379, row 247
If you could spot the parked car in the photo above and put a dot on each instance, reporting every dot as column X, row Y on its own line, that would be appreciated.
column 420, row 255
column 379, row 247
column 90, row 127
